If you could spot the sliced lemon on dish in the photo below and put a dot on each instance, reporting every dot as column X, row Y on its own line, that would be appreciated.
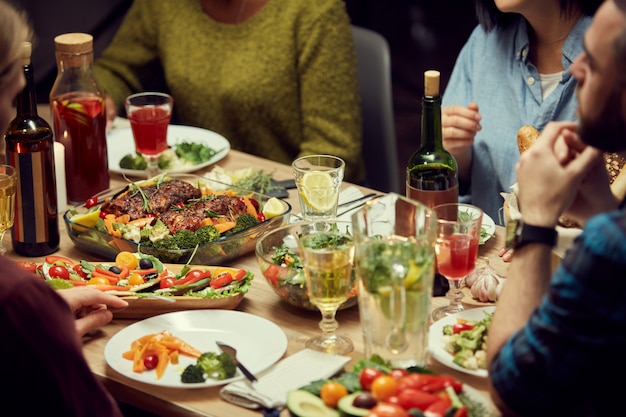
column 318, row 190
column 88, row 219
column 272, row 208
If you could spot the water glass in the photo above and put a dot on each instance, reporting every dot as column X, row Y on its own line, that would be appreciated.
column 318, row 178
column 394, row 259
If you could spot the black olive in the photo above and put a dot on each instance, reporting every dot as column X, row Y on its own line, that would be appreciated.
column 364, row 400
column 145, row 263
column 115, row 269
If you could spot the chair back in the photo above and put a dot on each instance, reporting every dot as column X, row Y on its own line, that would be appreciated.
column 380, row 149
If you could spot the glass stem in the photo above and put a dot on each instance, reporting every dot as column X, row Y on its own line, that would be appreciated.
column 152, row 168
column 2, row 248
column 455, row 294
column 328, row 324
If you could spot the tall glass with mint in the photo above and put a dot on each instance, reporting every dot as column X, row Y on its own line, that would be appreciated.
column 394, row 259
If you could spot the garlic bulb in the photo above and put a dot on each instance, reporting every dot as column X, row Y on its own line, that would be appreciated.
column 484, row 282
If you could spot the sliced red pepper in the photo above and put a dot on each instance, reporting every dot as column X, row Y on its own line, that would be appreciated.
column 239, row 275
column 27, row 266
column 438, row 408
column 192, row 276
column 221, row 280
column 50, row 259
column 460, row 327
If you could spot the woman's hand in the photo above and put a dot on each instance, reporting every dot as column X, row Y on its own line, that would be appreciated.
column 459, row 126
column 89, row 305
column 111, row 112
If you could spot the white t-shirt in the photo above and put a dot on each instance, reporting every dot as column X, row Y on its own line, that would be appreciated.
column 549, row 83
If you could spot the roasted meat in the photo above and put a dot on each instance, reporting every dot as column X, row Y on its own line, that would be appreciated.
column 191, row 215
column 152, row 199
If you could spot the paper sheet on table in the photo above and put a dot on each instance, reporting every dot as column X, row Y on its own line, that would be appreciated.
column 270, row 391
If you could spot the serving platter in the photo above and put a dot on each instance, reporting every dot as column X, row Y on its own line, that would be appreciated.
column 436, row 343
column 120, row 143
column 259, row 343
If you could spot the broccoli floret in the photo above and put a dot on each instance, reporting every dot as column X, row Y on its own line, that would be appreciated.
column 167, row 243
column 217, row 366
column 193, row 374
column 466, row 359
column 244, row 221
column 167, row 159
column 136, row 161
column 207, row 234
column 185, row 239
column 155, row 232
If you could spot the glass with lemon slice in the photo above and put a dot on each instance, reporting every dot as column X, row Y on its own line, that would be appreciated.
column 394, row 259
column 318, row 178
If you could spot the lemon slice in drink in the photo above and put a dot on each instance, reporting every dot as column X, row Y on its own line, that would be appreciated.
column 272, row 208
column 318, row 190
column 88, row 219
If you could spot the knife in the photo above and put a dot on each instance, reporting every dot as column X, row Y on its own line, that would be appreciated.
column 232, row 352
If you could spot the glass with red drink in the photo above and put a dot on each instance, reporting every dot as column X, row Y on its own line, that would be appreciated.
column 149, row 114
column 456, row 249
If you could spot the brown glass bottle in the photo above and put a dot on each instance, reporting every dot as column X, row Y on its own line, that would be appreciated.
column 30, row 150
column 431, row 173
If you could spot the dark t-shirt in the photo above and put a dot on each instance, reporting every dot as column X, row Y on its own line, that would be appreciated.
column 43, row 367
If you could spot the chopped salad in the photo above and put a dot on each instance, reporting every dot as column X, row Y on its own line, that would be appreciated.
column 466, row 340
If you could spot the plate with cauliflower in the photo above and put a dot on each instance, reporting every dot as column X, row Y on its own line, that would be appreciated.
column 459, row 341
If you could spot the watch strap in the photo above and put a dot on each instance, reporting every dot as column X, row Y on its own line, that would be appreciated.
column 522, row 233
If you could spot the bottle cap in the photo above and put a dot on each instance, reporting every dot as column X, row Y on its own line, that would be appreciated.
column 27, row 49
column 431, row 83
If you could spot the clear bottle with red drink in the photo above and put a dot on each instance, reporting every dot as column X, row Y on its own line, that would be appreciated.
column 79, row 115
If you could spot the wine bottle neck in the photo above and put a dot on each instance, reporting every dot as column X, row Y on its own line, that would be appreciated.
column 26, row 101
column 431, row 123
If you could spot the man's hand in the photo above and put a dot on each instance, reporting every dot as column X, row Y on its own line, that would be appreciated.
column 550, row 173
column 89, row 305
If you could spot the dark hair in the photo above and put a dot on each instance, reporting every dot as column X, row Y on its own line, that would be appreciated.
column 620, row 47
column 490, row 17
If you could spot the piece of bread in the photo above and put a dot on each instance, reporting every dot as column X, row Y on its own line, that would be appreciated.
column 526, row 136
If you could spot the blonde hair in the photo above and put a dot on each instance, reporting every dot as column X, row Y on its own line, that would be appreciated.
column 14, row 31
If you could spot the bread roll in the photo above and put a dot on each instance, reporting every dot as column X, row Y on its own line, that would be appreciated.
column 526, row 136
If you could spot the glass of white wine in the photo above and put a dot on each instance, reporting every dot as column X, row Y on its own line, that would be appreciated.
column 8, row 178
column 328, row 259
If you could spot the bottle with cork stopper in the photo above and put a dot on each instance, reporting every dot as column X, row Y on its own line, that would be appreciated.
column 79, row 114
column 431, row 173
column 30, row 150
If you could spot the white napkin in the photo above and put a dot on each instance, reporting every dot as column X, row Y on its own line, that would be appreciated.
column 293, row 372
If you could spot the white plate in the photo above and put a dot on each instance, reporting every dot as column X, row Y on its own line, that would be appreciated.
column 435, row 338
column 120, row 143
column 259, row 343
column 489, row 226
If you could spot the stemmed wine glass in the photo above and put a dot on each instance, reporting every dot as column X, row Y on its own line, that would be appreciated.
column 149, row 114
column 328, row 257
column 8, row 178
column 456, row 249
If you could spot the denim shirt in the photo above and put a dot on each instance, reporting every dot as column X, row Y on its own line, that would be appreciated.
column 493, row 70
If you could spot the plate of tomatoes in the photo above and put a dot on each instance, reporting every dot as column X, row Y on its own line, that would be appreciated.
column 150, row 286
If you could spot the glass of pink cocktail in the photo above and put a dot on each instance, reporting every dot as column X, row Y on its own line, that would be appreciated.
column 456, row 249
column 149, row 114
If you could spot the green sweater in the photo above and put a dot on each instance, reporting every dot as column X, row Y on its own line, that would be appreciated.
column 280, row 85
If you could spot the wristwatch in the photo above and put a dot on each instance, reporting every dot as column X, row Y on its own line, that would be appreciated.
column 519, row 233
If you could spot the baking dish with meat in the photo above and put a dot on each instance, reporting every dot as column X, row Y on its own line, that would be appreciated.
column 175, row 217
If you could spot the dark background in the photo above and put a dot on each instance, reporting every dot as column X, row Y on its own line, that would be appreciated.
column 422, row 34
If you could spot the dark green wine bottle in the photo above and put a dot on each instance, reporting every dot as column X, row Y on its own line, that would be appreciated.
column 431, row 173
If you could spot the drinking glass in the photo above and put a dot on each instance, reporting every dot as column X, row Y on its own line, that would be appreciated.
column 394, row 259
column 149, row 114
column 458, row 234
column 327, row 258
column 318, row 178
column 8, row 178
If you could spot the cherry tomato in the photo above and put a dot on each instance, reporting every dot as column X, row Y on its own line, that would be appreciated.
column 27, row 266
column 79, row 271
column 367, row 376
column 151, row 361
column 98, row 281
column 103, row 214
column 221, row 280
column 260, row 217
column 415, row 398
column 91, row 202
column 127, row 259
column 272, row 274
column 194, row 274
column 387, row 410
column 384, row 387
column 331, row 392
column 167, row 282
column 459, row 327
column 398, row 373
column 59, row 272
column 136, row 279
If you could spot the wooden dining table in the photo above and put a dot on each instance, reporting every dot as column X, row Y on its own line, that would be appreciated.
column 298, row 325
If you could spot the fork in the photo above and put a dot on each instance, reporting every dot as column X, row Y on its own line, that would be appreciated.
column 231, row 351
